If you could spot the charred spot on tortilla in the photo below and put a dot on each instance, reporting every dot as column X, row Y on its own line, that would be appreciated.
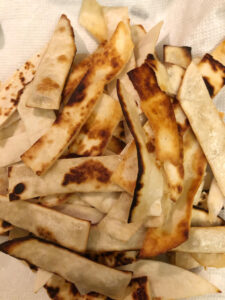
column 13, row 197
column 62, row 58
column 6, row 224
column 79, row 93
column 46, row 234
column 19, row 188
column 52, row 291
column 90, row 169
column 32, row 267
column 47, row 84
column 140, row 293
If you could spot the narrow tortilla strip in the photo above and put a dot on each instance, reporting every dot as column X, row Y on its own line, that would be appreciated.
column 66, row 176
column 149, row 186
column 116, row 145
column 53, row 200
column 201, row 218
column 215, row 201
column 219, row 53
column 12, row 130
column 184, row 260
column 72, row 267
column 4, row 181
column 92, row 19
column 164, row 275
column 137, row 32
column 12, row 89
column 205, row 121
column 178, row 215
column 64, row 130
column 159, row 111
column 175, row 74
column 53, row 69
column 210, row 260
column 42, row 277
column 180, row 56
column 5, row 226
column 204, row 240
column 213, row 73
column 97, row 131
column 47, row 223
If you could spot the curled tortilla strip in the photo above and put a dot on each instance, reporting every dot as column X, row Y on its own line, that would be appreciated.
column 215, row 201
column 42, row 155
column 180, row 56
column 149, row 186
column 97, row 131
column 201, row 218
column 210, row 260
column 164, row 275
column 184, row 260
column 47, row 224
column 12, row 89
column 92, row 19
column 72, row 267
column 204, row 240
column 53, row 69
column 66, row 176
column 205, row 121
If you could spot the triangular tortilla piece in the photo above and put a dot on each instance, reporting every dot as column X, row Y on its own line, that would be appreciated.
column 184, row 260
column 66, row 176
column 92, row 19
column 12, row 89
column 53, row 200
column 5, row 226
column 170, row 282
column 64, row 130
column 12, row 130
column 159, row 111
column 53, row 69
column 213, row 73
column 41, row 278
column 210, row 260
column 215, row 201
column 97, row 131
column 72, row 267
column 47, row 223
column 148, row 43
column 201, row 218
column 205, row 121
column 149, row 186
column 204, row 240
column 180, row 56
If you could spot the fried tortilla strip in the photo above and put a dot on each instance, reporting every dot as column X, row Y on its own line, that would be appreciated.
column 184, row 260
column 53, row 69
column 164, row 275
column 53, row 200
column 149, row 186
column 42, row 155
column 205, row 121
column 215, row 201
column 115, row 145
column 175, row 74
column 178, row 215
column 47, row 223
column 201, row 218
column 204, row 240
column 12, row 89
column 210, row 260
column 180, row 56
column 72, row 267
column 5, row 226
column 92, row 19
column 159, row 111
column 137, row 32
column 66, row 176
column 219, row 53
column 97, row 131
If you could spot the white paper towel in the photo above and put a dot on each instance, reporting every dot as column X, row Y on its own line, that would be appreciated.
column 25, row 27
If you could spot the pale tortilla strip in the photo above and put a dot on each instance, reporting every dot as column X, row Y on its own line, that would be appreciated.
column 47, row 224
column 97, row 131
column 149, row 186
column 64, row 130
column 159, row 111
column 147, row 43
column 137, row 32
column 66, row 176
column 72, row 267
column 175, row 74
column 53, row 69
column 53, row 200
column 170, row 282
column 92, row 19
column 201, row 218
column 12, row 130
column 4, row 181
column 184, row 260
column 41, row 278
column 215, row 201
column 205, row 121
column 12, row 89
column 180, row 56
column 5, row 226
column 210, row 260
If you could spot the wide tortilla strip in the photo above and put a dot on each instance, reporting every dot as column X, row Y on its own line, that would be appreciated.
column 205, row 121
column 47, row 223
column 180, row 56
column 97, row 131
column 53, row 69
column 72, row 267
column 66, row 176
column 149, row 186
column 12, row 89
column 106, row 65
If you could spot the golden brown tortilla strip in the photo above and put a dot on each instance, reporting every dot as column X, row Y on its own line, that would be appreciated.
column 219, row 53
column 69, row 265
column 47, row 224
column 205, row 121
column 210, row 260
column 53, row 69
column 180, row 56
column 42, row 155
column 66, row 176
column 97, row 131
column 12, row 89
